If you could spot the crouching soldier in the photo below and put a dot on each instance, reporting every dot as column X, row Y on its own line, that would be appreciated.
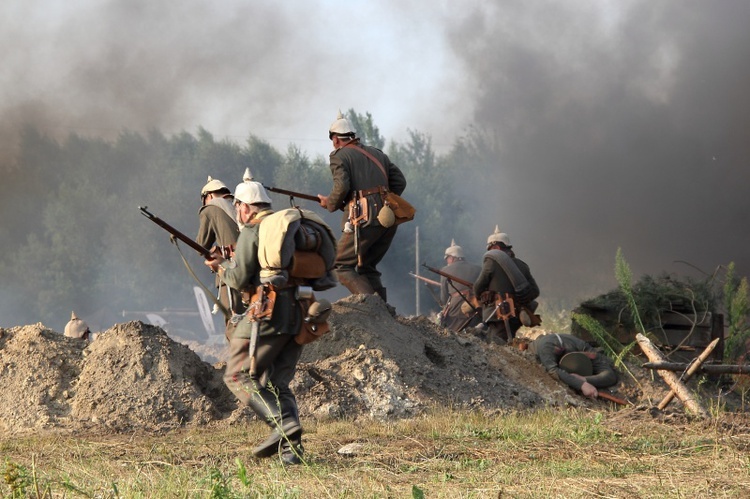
column 263, row 344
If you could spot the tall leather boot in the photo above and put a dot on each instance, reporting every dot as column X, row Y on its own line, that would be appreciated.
column 355, row 283
column 283, row 420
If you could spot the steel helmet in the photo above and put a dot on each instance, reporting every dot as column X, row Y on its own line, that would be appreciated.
column 213, row 185
column 499, row 237
column 249, row 191
column 76, row 328
column 340, row 127
column 454, row 250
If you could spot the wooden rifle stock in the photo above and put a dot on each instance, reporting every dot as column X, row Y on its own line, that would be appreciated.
column 176, row 233
column 293, row 194
column 608, row 396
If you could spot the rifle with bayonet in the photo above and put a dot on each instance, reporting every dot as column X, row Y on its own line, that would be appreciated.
column 451, row 279
column 293, row 194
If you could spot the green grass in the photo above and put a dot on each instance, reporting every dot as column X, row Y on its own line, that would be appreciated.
column 449, row 453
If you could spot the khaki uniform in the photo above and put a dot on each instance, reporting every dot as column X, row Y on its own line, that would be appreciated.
column 352, row 172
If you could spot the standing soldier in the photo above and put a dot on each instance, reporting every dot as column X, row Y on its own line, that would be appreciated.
column 358, row 188
column 503, row 274
column 455, row 294
column 264, row 349
column 219, row 230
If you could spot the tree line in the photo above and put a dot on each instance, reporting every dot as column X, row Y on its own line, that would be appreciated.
column 73, row 238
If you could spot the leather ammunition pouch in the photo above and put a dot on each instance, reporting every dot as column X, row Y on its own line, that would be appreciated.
column 310, row 329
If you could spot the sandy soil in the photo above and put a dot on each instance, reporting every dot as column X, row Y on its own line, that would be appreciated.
column 134, row 377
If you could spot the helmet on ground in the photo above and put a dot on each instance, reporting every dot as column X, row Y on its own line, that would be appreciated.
column 214, row 185
column 577, row 363
column 76, row 328
column 251, row 192
column 499, row 237
column 341, row 126
column 454, row 250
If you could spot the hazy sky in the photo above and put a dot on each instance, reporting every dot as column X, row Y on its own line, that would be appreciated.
column 616, row 124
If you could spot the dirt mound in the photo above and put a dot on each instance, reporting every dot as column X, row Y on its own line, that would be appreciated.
column 371, row 365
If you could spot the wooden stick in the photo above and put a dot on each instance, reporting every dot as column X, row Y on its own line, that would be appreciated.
column 681, row 391
column 697, row 363
column 707, row 368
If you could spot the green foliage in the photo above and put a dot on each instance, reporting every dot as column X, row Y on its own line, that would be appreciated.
column 365, row 127
column 625, row 278
column 737, row 306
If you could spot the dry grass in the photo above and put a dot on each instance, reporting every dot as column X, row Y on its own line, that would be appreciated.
column 550, row 453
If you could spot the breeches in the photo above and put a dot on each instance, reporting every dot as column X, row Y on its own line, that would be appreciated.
column 374, row 242
column 275, row 361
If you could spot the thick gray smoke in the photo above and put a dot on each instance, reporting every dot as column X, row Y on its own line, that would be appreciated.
column 613, row 124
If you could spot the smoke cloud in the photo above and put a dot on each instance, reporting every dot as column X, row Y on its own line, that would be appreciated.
column 613, row 124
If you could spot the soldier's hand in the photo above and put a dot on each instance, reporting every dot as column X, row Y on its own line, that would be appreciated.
column 589, row 390
column 323, row 201
column 214, row 262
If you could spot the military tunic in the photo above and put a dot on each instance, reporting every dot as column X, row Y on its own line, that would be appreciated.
column 277, row 353
column 453, row 318
column 352, row 171
column 550, row 348
column 219, row 228
column 493, row 278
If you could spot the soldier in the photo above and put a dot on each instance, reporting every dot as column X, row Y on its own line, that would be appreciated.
column 276, row 352
column 219, row 229
column 76, row 328
column 358, row 184
column 574, row 362
column 451, row 293
column 502, row 273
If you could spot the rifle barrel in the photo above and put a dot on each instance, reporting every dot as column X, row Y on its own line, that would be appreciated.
column 448, row 276
column 176, row 233
column 286, row 192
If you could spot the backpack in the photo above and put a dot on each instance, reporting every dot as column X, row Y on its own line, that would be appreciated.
column 296, row 247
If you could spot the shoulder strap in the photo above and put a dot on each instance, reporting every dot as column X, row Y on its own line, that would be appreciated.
column 371, row 157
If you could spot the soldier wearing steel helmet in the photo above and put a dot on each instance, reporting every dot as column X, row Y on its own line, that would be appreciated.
column 574, row 362
column 77, row 328
column 453, row 295
column 276, row 351
column 502, row 273
column 357, row 181
column 218, row 229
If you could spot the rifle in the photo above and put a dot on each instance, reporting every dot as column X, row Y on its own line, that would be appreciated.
column 293, row 194
column 612, row 398
column 424, row 279
column 176, row 233
column 469, row 285
column 448, row 276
